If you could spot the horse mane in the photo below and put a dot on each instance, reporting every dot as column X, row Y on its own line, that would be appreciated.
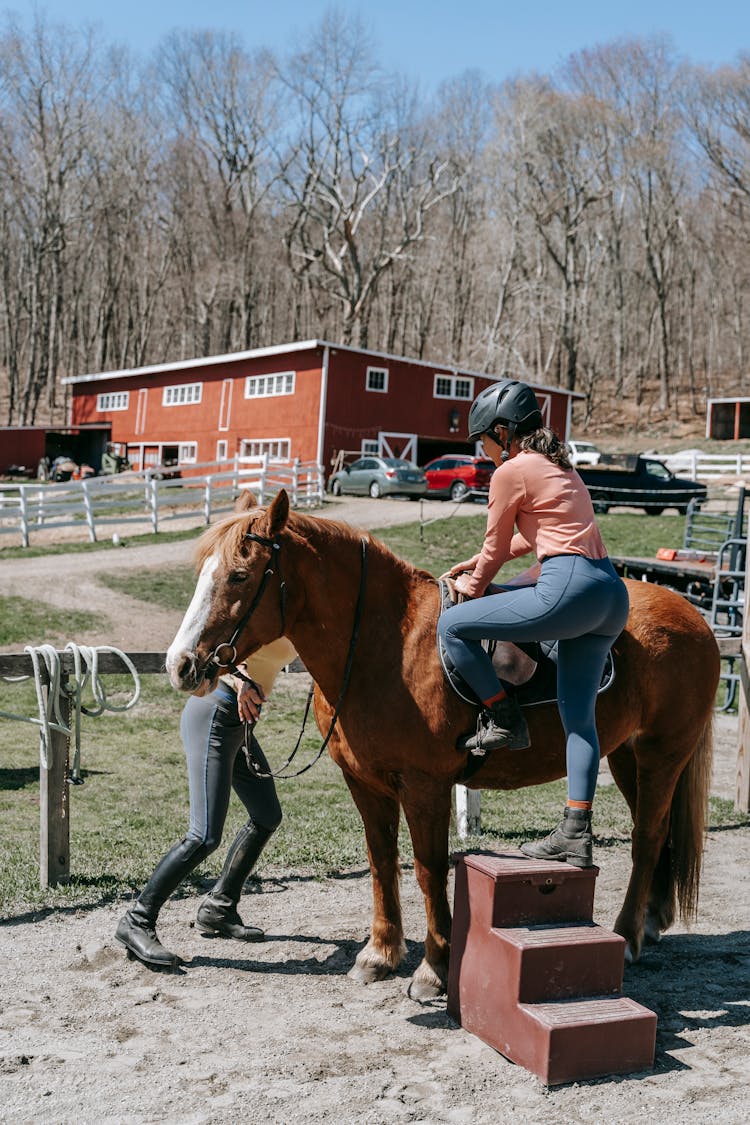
column 226, row 539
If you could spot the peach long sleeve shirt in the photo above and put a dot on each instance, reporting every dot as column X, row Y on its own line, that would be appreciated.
column 536, row 506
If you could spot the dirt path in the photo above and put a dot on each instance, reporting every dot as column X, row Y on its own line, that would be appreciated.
column 277, row 1032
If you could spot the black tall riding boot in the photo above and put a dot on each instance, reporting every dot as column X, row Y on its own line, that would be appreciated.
column 217, row 914
column 501, row 726
column 136, row 930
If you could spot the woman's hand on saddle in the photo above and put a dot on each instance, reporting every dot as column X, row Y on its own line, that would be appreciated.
column 250, row 699
column 462, row 585
column 462, row 567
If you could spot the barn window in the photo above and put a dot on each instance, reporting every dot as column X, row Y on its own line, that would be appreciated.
column 370, row 445
column 278, row 449
column 269, row 386
column 188, row 452
column 182, row 394
column 453, row 386
column 221, row 450
column 113, row 400
column 377, row 379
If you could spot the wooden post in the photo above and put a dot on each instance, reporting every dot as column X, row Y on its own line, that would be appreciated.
column 468, row 812
column 742, row 790
column 54, row 803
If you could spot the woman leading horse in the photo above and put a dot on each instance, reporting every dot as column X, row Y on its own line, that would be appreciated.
column 357, row 614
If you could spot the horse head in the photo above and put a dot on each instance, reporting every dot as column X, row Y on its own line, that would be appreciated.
column 239, row 602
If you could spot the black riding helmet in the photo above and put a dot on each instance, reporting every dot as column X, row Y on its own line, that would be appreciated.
column 509, row 402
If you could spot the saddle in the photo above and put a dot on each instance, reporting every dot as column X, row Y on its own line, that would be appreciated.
column 529, row 667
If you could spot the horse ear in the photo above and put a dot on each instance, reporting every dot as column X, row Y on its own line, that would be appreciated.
column 245, row 501
column 278, row 513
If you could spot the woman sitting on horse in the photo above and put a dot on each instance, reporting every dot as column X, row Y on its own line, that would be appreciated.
column 537, row 502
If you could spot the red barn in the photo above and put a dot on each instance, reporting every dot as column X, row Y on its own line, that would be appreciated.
column 308, row 400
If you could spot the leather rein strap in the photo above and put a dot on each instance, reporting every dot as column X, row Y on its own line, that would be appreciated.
column 274, row 567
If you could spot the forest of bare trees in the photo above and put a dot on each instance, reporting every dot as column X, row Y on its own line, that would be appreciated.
column 589, row 228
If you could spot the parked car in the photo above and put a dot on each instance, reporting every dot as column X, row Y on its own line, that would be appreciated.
column 583, row 452
column 379, row 476
column 454, row 476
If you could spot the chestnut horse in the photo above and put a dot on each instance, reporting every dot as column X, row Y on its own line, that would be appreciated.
column 266, row 572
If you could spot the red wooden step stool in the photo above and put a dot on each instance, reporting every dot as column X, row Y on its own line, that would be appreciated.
column 533, row 976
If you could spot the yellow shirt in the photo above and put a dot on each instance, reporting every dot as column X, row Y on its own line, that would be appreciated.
column 265, row 664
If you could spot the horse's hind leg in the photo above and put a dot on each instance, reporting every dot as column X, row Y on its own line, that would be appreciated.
column 427, row 807
column 658, row 917
column 648, row 789
column 386, row 947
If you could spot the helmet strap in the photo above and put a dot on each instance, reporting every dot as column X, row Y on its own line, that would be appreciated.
column 506, row 449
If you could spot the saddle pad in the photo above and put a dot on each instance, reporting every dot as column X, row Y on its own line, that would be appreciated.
column 529, row 666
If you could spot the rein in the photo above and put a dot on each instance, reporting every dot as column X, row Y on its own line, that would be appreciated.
column 232, row 665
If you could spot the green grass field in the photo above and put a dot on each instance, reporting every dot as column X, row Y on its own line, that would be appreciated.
column 134, row 802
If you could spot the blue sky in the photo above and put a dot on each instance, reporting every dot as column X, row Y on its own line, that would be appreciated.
column 435, row 39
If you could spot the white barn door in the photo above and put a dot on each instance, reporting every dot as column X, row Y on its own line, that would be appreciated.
column 398, row 445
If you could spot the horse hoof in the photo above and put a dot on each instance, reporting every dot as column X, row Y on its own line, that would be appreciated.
column 651, row 931
column 425, row 984
column 421, row 991
column 368, row 973
column 632, row 954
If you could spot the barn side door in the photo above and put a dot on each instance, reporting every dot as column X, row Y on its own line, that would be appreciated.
column 225, row 406
column 140, row 410
column 398, row 445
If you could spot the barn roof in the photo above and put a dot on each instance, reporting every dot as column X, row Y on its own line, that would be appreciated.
column 284, row 349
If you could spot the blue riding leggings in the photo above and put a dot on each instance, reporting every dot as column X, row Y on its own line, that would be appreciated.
column 213, row 735
column 580, row 602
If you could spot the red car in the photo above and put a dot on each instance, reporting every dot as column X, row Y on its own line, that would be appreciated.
column 455, row 475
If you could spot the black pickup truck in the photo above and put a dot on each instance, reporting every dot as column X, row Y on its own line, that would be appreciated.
column 633, row 481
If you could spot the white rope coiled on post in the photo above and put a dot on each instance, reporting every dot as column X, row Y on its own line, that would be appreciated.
column 85, row 673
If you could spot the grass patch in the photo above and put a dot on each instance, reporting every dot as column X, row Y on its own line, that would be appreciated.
column 144, row 540
column 27, row 622
column 170, row 589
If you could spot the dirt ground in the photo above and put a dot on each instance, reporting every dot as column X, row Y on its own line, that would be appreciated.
column 277, row 1032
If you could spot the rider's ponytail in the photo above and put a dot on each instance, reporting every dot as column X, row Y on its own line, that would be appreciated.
column 547, row 443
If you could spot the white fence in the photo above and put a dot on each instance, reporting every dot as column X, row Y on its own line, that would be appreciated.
column 138, row 498
column 707, row 466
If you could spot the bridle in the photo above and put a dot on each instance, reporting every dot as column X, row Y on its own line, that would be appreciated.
column 274, row 567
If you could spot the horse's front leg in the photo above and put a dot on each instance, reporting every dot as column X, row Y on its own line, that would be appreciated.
column 427, row 807
column 386, row 947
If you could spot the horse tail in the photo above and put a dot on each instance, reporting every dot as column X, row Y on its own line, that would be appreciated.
column 689, row 815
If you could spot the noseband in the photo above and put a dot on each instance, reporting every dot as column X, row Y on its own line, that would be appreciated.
column 274, row 567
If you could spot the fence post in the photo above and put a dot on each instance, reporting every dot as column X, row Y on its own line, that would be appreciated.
column 742, row 790
column 24, row 513
column 263, row 478
column 89, row 510
column 54, row 801
column 295, row 482
column 40, row 508
column 468, row 812
column 154, row 503
column 207, row 502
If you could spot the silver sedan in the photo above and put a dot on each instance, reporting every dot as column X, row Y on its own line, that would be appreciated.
column 379, row 476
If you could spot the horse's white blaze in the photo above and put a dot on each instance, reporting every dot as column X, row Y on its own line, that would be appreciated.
column 193, row 623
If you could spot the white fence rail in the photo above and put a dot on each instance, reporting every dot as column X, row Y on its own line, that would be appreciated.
column 135, row 498
column 707, row 466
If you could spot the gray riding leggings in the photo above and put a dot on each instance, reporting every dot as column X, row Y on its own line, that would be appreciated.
column 212, row 734
column 580, row 602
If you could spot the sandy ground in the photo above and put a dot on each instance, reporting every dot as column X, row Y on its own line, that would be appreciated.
column 277, row 1032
